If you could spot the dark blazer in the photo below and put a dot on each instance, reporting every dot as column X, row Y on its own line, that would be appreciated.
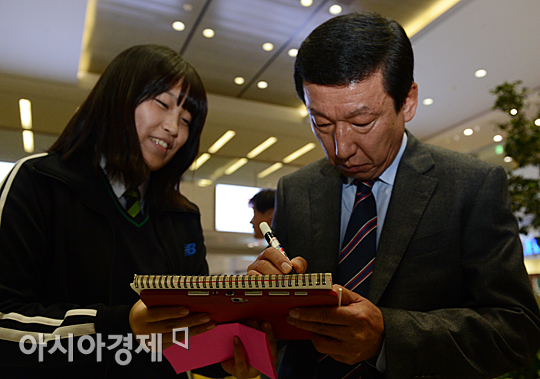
column 449, row 276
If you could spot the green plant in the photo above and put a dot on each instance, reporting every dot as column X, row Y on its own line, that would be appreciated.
column 522, row 144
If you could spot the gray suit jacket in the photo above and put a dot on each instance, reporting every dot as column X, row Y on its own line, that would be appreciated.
column 449, row 275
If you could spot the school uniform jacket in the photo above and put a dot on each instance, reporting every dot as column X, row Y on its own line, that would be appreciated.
column 57, row 250
column 449, row 276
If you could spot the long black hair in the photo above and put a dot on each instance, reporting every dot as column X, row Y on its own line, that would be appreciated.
column 103, row 127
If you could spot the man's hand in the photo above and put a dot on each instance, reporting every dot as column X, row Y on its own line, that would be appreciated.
column 272, row 262
column 238, row 367
column 145, row 321
column 349, row 334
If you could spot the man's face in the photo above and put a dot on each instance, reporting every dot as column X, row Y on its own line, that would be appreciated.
column 259, row 217
column 357, row 125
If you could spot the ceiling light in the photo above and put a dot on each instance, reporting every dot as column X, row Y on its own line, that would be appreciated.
column 508, row 159
column 269, row 170
column 298, row 153
column 204, row 182
column 293, row 52
column 221, row 141
column 497, row 138
column 335, row 9
column 235, row 166
column 537, row 122
column 262, row 85
column 480, row 73
column 267, row 46
column 303, row 111
column 187, row 7
column 262, row 147
column 499, row 149
column 513, row 112
column 208, row 33
column 25, row 110
column 468, row 132
column 239, row 80
column 28, row 141
column 200, row 161
column 427, row 101
column 178, row 25
column 306, row 3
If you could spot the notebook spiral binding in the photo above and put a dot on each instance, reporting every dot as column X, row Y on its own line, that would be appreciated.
column 293, row 281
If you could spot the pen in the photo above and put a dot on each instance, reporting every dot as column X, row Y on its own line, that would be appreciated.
column 340, row 292
column 273, row 241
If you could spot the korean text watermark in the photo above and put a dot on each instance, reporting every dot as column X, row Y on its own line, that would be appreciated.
column 95, row 343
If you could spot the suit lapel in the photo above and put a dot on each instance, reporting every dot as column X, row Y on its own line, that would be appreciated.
column 410, row 196
column 325, row 209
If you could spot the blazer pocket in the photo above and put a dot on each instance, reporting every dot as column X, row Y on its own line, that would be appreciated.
column 433, row 243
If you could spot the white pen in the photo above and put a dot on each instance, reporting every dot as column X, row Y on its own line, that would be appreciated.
column 273, row 241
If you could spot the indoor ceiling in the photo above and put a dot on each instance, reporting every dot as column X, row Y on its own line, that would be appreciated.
column 52, row 51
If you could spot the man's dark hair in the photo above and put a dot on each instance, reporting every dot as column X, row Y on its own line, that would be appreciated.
column 263, row 200
column 350, row 48
column 104, row 125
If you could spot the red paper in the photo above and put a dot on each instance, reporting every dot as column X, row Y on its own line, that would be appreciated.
column 216, row 346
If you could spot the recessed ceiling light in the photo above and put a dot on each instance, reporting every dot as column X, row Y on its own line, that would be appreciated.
column 427, row 101
column 480, row 73
column 199, row 162
column 208, row 33
column 508, row 159
column 306, row 3
column 468, row 132
column 204, row 182
column 25, row 110
column 239, row 80
column 269, row 170
column 293, row 52
column 267, row 46
column 262, row 84
column 303, row 111
column 187, row 7
column 298, row 153
column 235, row 166
column 262, row 147
column 221, row 141
column 28, row 141
column 178, row 25
column 335, row 9
column 513, row 112
column 537, row 122
column 497, row 138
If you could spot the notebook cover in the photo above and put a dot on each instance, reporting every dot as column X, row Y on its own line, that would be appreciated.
column 239, row 305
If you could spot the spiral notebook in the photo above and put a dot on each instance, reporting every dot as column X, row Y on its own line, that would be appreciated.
column 237, row 298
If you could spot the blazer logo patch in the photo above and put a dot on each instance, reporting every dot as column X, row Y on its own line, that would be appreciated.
column 189, row 249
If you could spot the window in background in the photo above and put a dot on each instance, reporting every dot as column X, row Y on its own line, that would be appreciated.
column 233, row 212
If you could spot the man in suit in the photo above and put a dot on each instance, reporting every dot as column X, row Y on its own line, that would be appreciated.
column 448, row 295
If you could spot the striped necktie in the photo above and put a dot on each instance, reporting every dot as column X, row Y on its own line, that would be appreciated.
column 357, row 256
column 133, row 204
column 355, row 266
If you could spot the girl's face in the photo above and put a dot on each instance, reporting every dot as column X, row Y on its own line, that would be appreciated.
column 162, row 126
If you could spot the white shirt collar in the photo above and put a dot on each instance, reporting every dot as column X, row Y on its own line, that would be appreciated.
column 118, row 186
